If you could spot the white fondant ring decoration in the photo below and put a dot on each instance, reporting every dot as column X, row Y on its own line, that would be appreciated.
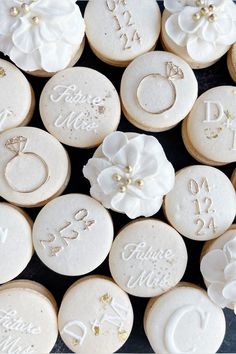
column 164, row 87
column 26, row 160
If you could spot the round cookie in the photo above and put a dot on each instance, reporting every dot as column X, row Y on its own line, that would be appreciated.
column 209, row 132
column 28, row 321
column 152, row 91
column 200, row 32
column 184, row 320
column 16, row 247
column 231, row 61
column 218, row 268
column 95, row 316
column 127, row 29
column 80, row 106
column 202, row 204
column 17, row 99
column 233, row 178
column 73, row 234
column 34, row 167
column 147, row 258
column 36, row 44
column 129, row 173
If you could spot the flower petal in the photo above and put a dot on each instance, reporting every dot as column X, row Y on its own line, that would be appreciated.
column 106, row 181
column 199, row 49
column 230, row 271
column 54, row 8
column 213, row 265
column 75, row 32
column 93, row 168
column 26, row 37
column 230, row 249
column 174, row 31
column 113, row 143
column 215, row 294
column 49, row 32
column 98, row 194
column 209, row 32
column 177, row 5
column 125, row 203
column 229, row 291
column 27, row 62
column 150, row 207
column 186, row 22
column 128, row 155
column 147, row 167
column 223, row 24
column 56, row 56
column 7, row 22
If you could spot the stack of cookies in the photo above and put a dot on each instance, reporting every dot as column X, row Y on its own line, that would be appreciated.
column 150, row 211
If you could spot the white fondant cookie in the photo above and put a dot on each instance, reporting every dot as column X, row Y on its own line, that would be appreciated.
column 17, row 100
column 147, row 258
column 218, row 267
column 199, row 31
column 129, row 173
column 119, row 30
column 41, row 37
column 73, row 234
column 95, row 316
column 202, row 204
column 28, row 321
column 209, row 132
column 16, row 247
column 80, row 106
column 184, row 320
column 158, row 89
column 34, row 166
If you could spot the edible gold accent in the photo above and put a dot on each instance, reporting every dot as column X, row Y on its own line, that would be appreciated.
column 96, row 330
column 212, row 18
column 106, row 298
column 122, row 334
column 2, row 72
column 122, row 189
column 139, row 182
column 128, row 169
column 116, row 177
column 75, row 342
column 14, row 11
column 35, row 20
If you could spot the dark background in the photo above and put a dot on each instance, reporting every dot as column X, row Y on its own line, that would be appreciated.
column 172, row 143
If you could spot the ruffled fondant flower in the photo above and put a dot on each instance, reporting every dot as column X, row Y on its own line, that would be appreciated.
column 202, row 26
column 131, row 174
column 40, row 34
column 218, row 268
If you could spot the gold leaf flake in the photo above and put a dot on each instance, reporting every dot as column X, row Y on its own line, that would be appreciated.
column 96, row 330
column 75, row 342
column 2, row 72
column 122, row 334
column 106, row 298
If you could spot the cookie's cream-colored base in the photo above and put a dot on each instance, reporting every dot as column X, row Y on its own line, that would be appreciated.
column 231, row 62
column 31, row 109
column 109, row 61
column 144, row 127
column 32, row 285
column 75, row 58
column 170, row 46
column 193, row 152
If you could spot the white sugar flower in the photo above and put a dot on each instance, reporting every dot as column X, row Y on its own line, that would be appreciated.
column 40, row 34
column 130, row 174
column 218, row 268
column 202, row 26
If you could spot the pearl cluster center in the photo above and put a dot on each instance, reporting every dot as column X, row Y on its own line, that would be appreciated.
column 208, row 11
column 25, row 9
column 124, row 182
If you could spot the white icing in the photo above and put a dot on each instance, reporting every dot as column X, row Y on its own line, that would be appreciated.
column 148, row 163
column 218, row 268
column 3, row 235
column 71, row 94
column 202, row 38
column 174, row 322
column 142, row 252
column 4, row 115
column 10, row 321
column 148, row 280
column 217, row 114
column 49, row 45
column 12, row 345
column 70, row 328
column 77, row 121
